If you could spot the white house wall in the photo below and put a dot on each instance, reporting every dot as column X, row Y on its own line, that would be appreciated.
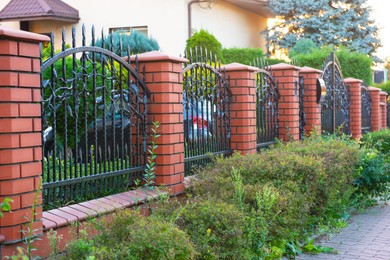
column 231, row 27
column 167, row 21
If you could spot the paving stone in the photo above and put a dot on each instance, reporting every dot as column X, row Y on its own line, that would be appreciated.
column 367, row 237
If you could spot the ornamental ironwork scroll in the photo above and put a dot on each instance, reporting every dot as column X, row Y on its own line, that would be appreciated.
column 94, row 121
column 335, row 106
column 366, row 110
column 302, row 115
column 206, row 109
column 267, row 98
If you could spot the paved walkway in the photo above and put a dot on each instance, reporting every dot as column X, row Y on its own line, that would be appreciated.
column 366, row 237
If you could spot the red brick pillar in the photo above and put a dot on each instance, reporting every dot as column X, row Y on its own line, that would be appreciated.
column 243, row 107
column 383, row 97
column 164, row 81
column 355, row 90
column 286, row 77
column 20, row 129
column 312, row 108
column 375, row 108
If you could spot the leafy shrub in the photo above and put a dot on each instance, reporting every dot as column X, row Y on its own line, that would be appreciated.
column 216, row 228
column 130, row 236
column 136, row 41
column 353, row 64
column 205, row 40
column 241, row 55
column 373, row 174
column 379, row 140
column 384, row 87
column 311, row 181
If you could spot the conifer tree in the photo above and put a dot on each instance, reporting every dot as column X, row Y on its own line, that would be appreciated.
column 325, row 22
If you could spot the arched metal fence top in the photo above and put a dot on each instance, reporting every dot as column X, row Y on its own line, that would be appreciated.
column 93, row 49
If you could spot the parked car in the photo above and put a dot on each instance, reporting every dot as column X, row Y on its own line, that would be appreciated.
column 198, row 118
column 107, row 147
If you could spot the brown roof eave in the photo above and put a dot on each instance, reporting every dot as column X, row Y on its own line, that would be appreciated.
column 41, row 17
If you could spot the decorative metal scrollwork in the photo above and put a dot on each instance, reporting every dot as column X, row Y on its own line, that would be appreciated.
column 267, row 98
column 94, row 120
column 206, row 109
column 366, row 110
column 335, row 106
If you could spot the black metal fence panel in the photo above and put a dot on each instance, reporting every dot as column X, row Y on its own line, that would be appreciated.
column 388, row 113
column 299, row 87
column 335, row 106
column 206, row 110
column 366, row 110
column 94, row 122
column 267, row 98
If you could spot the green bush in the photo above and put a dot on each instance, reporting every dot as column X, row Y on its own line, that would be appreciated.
column 373, row 174
column 136, row 41
column 131, row 236
column 312, row 181
column 384, row 86
column 216, row 228
column 353, row 64
column 379, row 140
column 241, row 55
column 205, row 40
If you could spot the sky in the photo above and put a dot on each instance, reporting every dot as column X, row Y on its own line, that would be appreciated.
column 380, row 14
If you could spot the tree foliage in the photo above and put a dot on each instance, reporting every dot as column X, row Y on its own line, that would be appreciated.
column 325, row 22
column 136, row 41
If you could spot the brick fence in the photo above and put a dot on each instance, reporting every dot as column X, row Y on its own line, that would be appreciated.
column 20, row 121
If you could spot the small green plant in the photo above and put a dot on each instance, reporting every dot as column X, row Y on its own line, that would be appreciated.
column 54, row 241
column 5, row 206
column 150, row 175
column 29, row 233
column 312, row 248
column 239, row 192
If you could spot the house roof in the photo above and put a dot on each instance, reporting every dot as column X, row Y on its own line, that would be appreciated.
column 260, row 7
column 27, row 10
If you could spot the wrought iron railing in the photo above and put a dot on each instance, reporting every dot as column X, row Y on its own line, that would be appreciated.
column 366, row 110
column 336, row 104
column 299, row 87
column 267, row 98
column 206, row 106
column 94, row 122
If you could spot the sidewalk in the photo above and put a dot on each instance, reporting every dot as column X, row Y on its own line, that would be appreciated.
column 366, row 237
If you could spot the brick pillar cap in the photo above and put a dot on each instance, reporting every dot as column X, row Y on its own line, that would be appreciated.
column 239, row 67
column 352, row 80
column 383, row 93
column 22, row 35
column 306, row 69
column 374, row 89
column 284, row 66
column 156, row 56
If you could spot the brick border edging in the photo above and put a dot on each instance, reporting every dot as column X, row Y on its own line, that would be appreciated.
column 61, row 219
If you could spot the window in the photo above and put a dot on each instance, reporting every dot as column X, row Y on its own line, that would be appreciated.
column 128, row 30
